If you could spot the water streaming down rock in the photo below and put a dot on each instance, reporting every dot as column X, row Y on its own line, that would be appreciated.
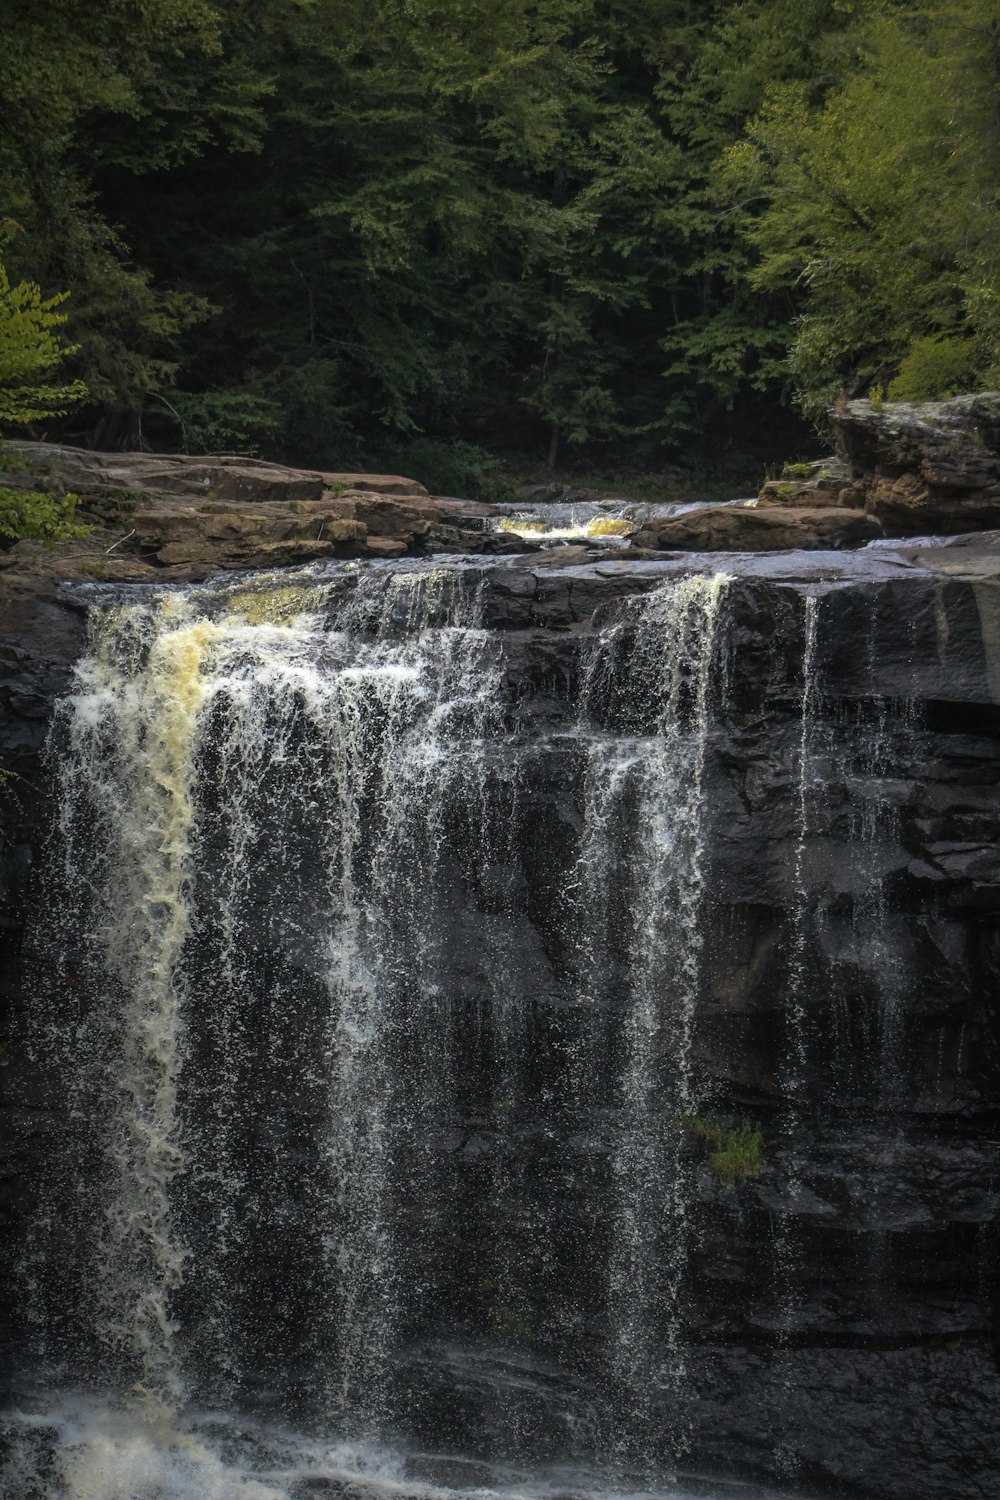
column 246, row 1055
column 799, row 1022
column 424, row 955
column 651, row 671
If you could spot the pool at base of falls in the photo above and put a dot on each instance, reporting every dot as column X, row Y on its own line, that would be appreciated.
column 73, row 1447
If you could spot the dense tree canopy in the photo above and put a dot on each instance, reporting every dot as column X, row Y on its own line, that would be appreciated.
column 325, row 229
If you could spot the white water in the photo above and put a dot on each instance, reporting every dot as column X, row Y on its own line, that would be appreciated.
column 77, row 1449
column 658, row 659
column 252, row 733
column 265, row 791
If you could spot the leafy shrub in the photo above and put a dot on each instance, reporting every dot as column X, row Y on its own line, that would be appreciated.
column 38, row 516
column 934, row 368
column 226, row 421
column 30, row 348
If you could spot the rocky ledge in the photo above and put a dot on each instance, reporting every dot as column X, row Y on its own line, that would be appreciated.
column 153, row 514
column 901, row 469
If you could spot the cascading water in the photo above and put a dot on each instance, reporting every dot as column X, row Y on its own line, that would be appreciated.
column 329, row 1161
column 651, row 671
column 256, row 787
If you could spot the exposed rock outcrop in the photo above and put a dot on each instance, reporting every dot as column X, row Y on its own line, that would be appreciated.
column 917, row 468
column 928, row 467
column 152, row 512
column 759, row 528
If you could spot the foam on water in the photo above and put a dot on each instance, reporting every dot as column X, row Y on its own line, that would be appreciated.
column 75, row 1448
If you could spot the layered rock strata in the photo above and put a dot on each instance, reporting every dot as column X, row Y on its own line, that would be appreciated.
column 156, row 512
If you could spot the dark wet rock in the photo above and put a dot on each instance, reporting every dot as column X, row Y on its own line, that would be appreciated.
column 878, row 1333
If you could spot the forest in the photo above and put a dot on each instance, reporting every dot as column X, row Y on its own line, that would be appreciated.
column 424, row 233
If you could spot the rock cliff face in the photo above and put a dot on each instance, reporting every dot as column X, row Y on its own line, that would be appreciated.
column 901, row 470
column 839, row 1310
column 925, row 468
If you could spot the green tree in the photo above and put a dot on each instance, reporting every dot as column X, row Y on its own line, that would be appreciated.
column 875, row 204
column 86, row 87
column 30, row 350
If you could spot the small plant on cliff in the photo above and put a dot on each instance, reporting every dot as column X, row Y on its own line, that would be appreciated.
column 735, row 1154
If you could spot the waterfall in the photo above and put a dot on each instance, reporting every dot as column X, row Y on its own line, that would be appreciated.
column 286, row 997
column 322, row 742
column 641, row 886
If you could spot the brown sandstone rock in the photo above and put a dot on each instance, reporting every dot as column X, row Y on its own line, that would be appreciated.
column 242, row 537
column 385, row 546
column 389, row 517
column 186, row 477
column 376, row 484
column 824, row 482
column 759, row 528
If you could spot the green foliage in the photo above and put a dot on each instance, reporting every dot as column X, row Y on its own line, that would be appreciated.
column 236, row 421
column 874, row 201
column 448, row 468
column 38, row 516
column 934, row 367
column 30, row 348
column 735, row 1154
column 321, row 229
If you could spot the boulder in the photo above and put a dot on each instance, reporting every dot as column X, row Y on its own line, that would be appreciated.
column 827, row 482
column 758, row 528
column 926, row 467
